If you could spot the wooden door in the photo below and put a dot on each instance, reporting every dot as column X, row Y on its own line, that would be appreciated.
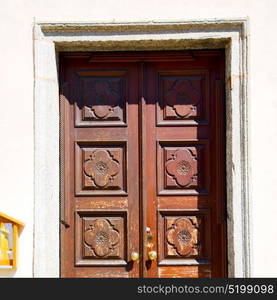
column 184, row 179
column 142, row 164
column 101, row 158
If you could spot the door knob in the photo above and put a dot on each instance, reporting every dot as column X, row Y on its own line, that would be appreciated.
column 152, row 255
column 134, row 256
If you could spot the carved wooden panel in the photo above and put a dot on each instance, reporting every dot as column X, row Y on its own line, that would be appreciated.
column 101, row 238
column 183, row 236
column 182, row 98
column 101, row 99
column 100, row 169
column 181, row 168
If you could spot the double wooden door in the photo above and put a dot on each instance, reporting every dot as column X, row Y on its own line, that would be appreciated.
column 143, row 164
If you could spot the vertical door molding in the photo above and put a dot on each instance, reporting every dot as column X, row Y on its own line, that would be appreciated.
column 50, row 38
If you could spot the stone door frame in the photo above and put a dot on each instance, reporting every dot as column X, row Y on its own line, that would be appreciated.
column 51, row 38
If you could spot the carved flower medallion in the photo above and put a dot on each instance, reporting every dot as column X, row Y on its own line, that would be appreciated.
column 101, row 167
column 180, row 167
column 183, row 98
column 183, row 167
column 183, row 236
column 101, row 237
column 104, row 99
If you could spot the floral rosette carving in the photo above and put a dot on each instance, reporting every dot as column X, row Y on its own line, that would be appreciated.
column 101, row 237
column 101, row 168
column 103, row 99
column 183, row 236
column 181, row 167
column 183, row 98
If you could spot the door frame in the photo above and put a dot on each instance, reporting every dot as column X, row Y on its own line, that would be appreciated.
column 51, row 38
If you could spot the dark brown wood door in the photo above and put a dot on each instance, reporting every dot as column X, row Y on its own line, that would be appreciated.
column 142, row 164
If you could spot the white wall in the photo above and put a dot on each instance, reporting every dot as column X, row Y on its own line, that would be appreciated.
column 16, row 122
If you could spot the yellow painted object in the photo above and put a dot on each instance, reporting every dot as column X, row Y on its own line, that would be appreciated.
column 4, row 245
column 9, row 241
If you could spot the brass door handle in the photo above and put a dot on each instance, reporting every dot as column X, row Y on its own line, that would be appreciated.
column 149, row 238
column 152, row 255
column 134, row 256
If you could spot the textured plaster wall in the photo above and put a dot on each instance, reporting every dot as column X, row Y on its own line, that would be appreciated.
column 16, row 122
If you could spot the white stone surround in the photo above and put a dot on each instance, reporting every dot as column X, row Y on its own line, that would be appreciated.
column 50, row 38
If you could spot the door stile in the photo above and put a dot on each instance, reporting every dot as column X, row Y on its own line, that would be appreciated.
column 133, row 149
column 142, row 173
column 150, row 170
column 63, row 148
column 220, row 113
